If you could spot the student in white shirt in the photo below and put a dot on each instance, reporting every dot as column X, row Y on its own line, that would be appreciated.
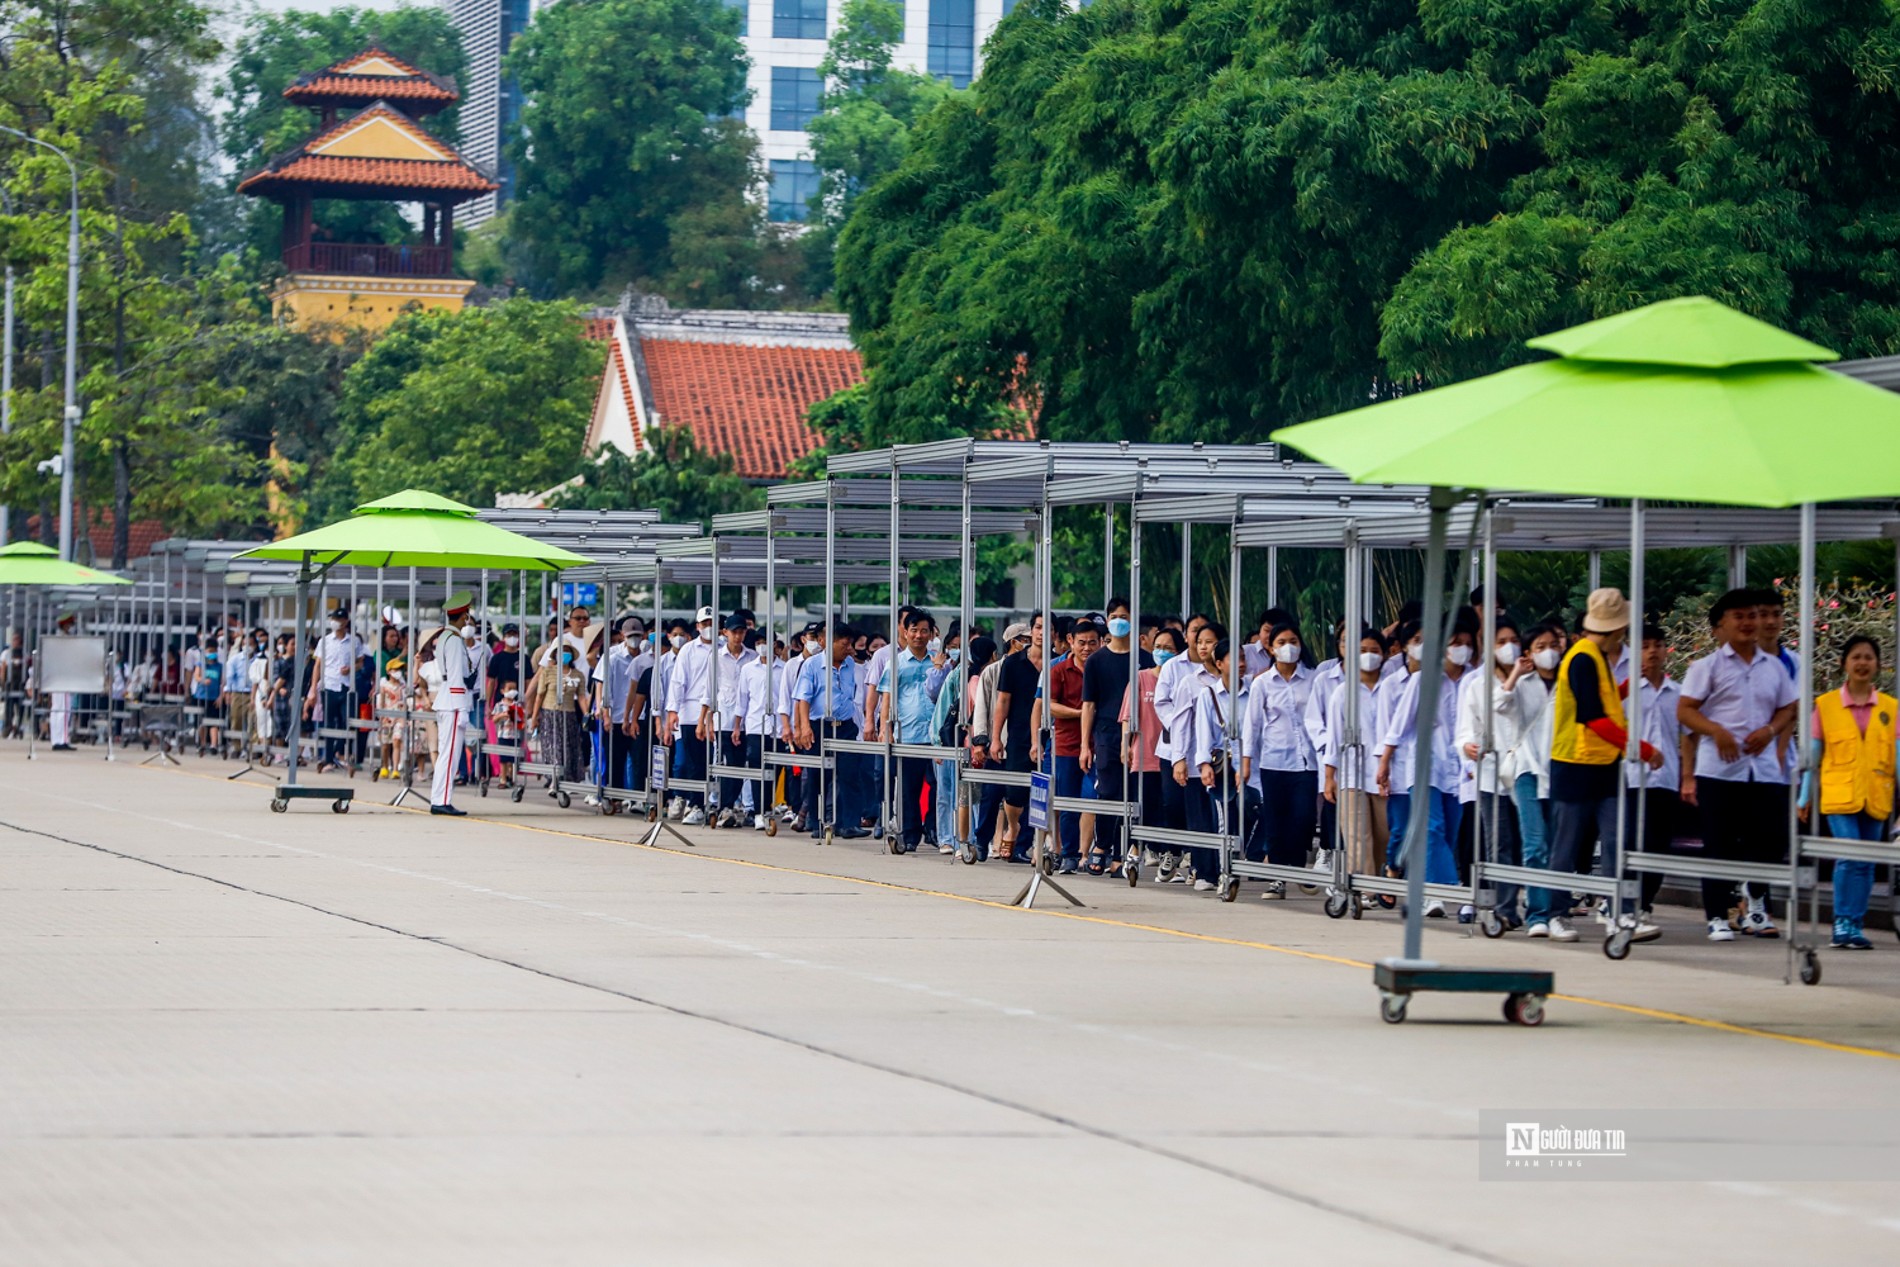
column 1211, row 759
column 1348, row 785
column 1657, row 792
column 1523, row 711
column 688, row 713
column 1399, row 742
column 1740, row 703
column 1327, row 679
column 1278, row 762
column 1489, row 784
column 1174, row 710
column 752, row 723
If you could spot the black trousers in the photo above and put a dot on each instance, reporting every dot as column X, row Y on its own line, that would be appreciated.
column 911, row 776
column 1288, row 814
column 1111, row 784
column 821, row 731
column 732, row 753
column 622, row 769
column 1741, row 822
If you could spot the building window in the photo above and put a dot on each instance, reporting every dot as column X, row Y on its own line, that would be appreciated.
column 744, row 17
column 794, row 185
column 798, row 19
column 795, row 93
column 952, row 52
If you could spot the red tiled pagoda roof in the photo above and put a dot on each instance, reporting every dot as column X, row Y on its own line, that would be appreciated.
column 371, row 176
column 335, row 85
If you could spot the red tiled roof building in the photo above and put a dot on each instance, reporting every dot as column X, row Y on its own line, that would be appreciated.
column 741, row 381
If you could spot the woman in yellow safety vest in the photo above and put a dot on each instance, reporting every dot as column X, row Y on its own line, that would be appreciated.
column 1854, row 756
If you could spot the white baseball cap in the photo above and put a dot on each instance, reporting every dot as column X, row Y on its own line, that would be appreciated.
column 705, row 614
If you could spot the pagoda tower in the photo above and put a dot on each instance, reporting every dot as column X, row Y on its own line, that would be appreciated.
column 368, row 147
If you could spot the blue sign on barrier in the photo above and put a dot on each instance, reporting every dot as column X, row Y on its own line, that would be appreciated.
column 580, row 594
column 1038, row 801
column 656, row 769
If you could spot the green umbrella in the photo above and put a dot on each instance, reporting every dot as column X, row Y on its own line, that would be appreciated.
column 1684, row 400
column 410, row 529
column 419, row 529
column 28, row 563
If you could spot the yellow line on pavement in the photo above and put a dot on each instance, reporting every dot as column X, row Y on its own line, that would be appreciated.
column 1679, row 1018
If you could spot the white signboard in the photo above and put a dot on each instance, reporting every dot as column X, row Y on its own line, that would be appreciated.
column 73, row 664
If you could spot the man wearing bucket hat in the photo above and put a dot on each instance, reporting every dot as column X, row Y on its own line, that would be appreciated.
column 1588, row 736
column 451, row 704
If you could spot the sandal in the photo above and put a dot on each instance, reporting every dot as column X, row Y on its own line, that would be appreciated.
column 1098, row 861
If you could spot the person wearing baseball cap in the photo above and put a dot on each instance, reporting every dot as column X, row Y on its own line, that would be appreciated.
column 1588, row 735
column 688, row 701
column 451, row 703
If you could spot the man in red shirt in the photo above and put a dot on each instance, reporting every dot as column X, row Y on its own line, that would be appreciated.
column 1065, row 708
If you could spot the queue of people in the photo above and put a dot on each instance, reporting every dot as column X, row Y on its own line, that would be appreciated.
column 1258, row 739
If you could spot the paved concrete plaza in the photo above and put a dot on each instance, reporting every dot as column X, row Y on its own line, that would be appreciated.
column 235, row 1037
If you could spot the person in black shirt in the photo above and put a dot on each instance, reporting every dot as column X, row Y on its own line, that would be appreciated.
column 1017, row 748
column 1104, row 687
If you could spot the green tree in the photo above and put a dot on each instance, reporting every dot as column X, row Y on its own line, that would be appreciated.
column 470, row 405
column 672, row 475
column 271, row 50
column 862, row 131
column 628, row 127
column 1171, row 221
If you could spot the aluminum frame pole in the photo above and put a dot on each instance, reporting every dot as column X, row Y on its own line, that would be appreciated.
column 1804, row 730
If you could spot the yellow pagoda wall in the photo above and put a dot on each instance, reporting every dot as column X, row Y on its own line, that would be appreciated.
column 313, row 300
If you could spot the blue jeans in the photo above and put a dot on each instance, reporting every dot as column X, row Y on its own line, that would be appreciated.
column 946, row 802
column 1534, row 844
column 1068, row 782
column 1853, row 881
column 1444, row 814
column 689, row 761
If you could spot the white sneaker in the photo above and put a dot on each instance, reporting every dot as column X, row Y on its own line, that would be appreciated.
column 1538, row 928
column 695, row 817
column 1720, row 931
column 1560, row 930
column 1434, row 909
column 1323, row 863
column 946, row 849
column 1203, row 886
column 758, row 822
column 1180, row 876
column 1165, row 869
column 1645, row 930
column 1148, row 860
column 590, row 799
column 677, row 810
column 1275, row 890
column 1757, row 922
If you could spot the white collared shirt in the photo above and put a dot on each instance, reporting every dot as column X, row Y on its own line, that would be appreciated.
column 688, row 690
column 1173, row 707
column 726, row 669
column 752, row 699
column 1401, row 734
column 1741, row 696
column 1661, row 730
column 1352, row 749
column 1273, row 727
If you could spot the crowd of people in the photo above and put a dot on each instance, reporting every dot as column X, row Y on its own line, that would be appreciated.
column 1292, row 750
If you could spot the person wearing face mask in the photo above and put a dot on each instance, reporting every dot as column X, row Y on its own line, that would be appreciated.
column 392, row 696
column 450, row 703
column 727, row 728
column 557, row 711
column 207, row 689
column 908, row 692
column 947, row 730
column 1172, row 707
column 1105, row 680
column 751, row 724
column 1399, row 742
column 1277, row 758
column 825, row 707
column 1523, row 706
column 1488, row 785
column 337, row 653
column 1141, row 734
column 613, row 678
column 237, row 688
column 688, row 723
column 1361, row 812
column 1212, row 752
column 1327, row 679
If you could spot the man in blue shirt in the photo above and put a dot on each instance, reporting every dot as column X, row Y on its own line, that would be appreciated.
column 919, row 679
column 825, row 706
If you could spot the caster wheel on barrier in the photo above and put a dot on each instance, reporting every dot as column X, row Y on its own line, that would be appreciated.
column 1617, row 944
column 1392, row 1008
column 1048, row 865
column 517, row 794
column 1358, row 906
column 1337, row 904
column 563, row 799
column 892, row 842
column 1230, row 888
column 484, row 787
column 1524, row 1009
column 339, row 807
column 1131, row 871
column 279, row 806
column 1493, row 927
column 771, row 824
column 1810, row 968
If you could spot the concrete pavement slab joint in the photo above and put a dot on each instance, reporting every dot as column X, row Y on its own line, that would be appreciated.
column 1063, row 1121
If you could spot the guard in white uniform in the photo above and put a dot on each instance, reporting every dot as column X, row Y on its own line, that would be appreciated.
column 59, row 713
column 452, row 702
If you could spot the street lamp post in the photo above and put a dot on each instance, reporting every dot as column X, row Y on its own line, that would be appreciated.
column 6, row 376
column 71, row 412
